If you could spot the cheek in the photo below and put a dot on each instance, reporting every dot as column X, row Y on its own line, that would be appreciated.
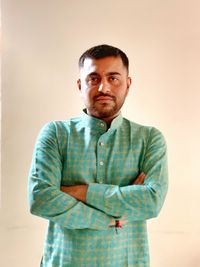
column 120, row 91
column 87, row 94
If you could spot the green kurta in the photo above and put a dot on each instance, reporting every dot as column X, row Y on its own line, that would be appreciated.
column 83, row 151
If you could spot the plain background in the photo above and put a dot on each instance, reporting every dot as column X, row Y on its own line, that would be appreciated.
column 42, row 41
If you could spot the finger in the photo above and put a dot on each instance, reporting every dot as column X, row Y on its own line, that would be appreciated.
column 141, row 175
column 140, row 179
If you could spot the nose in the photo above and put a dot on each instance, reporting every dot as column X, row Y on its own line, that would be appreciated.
column 104, row 87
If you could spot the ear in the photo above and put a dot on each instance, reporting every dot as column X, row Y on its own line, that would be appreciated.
column 129, row 81
column 79, row 84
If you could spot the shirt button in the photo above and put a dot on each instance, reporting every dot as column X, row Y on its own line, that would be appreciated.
column 101, row 163
column 101, row 144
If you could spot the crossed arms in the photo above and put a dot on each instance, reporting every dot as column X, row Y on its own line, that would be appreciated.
column 79, row 192
column 94, row 206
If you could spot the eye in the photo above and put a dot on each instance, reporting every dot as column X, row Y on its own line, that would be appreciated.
column 93, row 80
column 114, row 79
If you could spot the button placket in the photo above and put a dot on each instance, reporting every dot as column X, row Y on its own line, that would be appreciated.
column 101, row 153
column 101, row 163
column 101, row 143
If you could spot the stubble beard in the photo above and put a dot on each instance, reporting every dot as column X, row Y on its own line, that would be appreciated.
column 104, row 110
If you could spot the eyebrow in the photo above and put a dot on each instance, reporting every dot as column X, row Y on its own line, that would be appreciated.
column 113, row 73
column 93, row 74
column 107, row 74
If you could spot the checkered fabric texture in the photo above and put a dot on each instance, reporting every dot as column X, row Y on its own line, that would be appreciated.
column 83, row 151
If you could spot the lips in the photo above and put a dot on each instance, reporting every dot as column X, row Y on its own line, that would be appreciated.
column 104, row 98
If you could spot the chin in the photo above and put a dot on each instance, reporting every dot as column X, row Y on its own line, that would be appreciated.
column 103, row 111
column 106, row 113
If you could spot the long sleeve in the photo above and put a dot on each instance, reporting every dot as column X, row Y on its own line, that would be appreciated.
column 136, row 202
column 45, row 198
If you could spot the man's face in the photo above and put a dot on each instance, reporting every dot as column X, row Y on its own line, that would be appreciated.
column 104, row 85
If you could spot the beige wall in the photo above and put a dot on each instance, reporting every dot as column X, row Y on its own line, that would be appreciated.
column 42, row 42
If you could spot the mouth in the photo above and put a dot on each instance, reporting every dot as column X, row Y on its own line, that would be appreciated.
column 104, row 98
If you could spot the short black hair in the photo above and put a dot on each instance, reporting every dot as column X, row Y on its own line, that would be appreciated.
column 102, row 51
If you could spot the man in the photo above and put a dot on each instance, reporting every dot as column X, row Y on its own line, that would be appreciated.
column 99, row 177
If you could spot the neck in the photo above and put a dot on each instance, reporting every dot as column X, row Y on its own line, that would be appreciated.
column 107, row 120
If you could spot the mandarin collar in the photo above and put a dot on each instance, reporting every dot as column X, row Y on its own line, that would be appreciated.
column 98, row 124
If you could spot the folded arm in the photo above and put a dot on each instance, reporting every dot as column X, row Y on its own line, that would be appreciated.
column 79, row 192
column 45, row 197
column 138, row 201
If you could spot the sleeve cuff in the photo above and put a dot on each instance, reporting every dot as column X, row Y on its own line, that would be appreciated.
column 95, row 194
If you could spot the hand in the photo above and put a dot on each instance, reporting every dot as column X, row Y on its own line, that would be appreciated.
column 78, row 192
column 140, row 179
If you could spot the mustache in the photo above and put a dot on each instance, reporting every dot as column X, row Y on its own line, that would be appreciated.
column 102, row 94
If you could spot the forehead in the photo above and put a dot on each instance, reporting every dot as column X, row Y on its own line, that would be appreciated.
column 103, row 66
